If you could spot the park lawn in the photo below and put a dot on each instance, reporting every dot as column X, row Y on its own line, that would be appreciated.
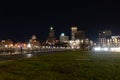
column 70, row 65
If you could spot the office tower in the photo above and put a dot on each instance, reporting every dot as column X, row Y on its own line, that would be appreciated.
column 73, row 31
column 51, row 35
column 104, row 37
column 80, row 35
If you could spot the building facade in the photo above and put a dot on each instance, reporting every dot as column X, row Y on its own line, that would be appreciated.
column 80, row 35
column 63, row 38
column 51, row 37
column 115, row 41
column 73, row 31
column 104, row 38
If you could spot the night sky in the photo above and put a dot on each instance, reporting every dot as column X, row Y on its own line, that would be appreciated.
column 21, row 20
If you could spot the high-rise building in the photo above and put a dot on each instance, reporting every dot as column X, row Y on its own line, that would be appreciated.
column 80, row 35
column 63, row 38
column 104, row 37
column 73, row 31
column 51, row 35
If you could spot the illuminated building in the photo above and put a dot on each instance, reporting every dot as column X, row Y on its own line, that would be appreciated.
column 19, row 45
column 79, row 40
column 87, row 41
column 7, row 43
column 63, row 38
column 33, row 37
column 73, row 31
column 115, row 41
column 33, row 41
column 80, row 35
column 74, row 44
column 104, row 38
column 51, row 35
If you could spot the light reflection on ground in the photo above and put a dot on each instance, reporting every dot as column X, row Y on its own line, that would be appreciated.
column 28, row 55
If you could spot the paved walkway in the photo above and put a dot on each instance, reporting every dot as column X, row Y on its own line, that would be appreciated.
column 24, row 55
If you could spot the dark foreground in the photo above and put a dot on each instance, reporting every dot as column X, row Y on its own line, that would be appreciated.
column 74, row 65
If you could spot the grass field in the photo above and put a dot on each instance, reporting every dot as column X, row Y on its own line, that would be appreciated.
column 74, row 65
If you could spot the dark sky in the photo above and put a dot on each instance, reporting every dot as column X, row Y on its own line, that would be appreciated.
column 20, row 20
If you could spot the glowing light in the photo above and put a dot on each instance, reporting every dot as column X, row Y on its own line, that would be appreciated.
column 97, row 49
column 75, row 44
column 11, row 45
column 81, row 41
column 115, row 49
column 18, row 46
column 6, row 45
column 43, row 47
column 51, row 28
column 49, row 47
column 29, row 45
column 29, row 55
column 112, row 49
column 54, row 47
column 60, row 47
column 62, row 34
column 105, row 49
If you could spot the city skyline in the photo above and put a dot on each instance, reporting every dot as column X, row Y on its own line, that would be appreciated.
column 21, row 21
column 58, row 37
